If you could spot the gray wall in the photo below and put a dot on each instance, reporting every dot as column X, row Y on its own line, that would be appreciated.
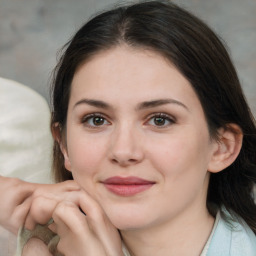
column 32, row 31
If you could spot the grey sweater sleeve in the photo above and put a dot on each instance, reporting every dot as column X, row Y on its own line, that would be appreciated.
column 41, row 232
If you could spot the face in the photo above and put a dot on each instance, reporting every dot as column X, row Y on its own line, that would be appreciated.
column 137, row 138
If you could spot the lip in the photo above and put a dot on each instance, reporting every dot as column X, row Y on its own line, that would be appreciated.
column 127, row 186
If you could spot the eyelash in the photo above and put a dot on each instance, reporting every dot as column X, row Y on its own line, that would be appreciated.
column 165, row 117
column 85, row 120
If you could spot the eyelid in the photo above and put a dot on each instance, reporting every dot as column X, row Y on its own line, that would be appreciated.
column 168, row 117
column 94, row 114
column 162, row 114
column 86, row 117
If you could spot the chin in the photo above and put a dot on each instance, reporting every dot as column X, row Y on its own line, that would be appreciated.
column 128, row 220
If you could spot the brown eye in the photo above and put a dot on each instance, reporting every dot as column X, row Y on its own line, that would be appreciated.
column 94, row 120
column 159, row 121
column 98, row 121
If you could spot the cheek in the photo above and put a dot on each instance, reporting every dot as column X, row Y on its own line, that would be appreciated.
column 85, row 156
column 170, row 161
column 181, row 155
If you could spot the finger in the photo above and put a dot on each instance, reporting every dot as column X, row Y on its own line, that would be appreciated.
column 70, row 185
column 19, row 215
column 82, row 204
column 64, row 212
column 94, row 212
column 40, row 211
column 87, row 206
column 100, row 224
column 73, row 230
column 74, row 227
column 67, row 215
column 19, row 190
column 95, row 220
column 61, row 187
column 43, row 206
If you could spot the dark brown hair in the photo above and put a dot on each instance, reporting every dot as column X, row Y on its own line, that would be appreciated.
column 200, row 56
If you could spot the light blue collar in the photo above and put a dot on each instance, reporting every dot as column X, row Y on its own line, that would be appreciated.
column 232, row 238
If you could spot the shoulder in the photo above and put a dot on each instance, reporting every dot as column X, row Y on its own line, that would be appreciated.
column 232, row 237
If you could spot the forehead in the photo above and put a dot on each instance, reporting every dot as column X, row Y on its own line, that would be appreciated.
column 121, row 58
column 127, row 73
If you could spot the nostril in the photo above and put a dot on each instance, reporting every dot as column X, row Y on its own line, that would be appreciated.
column 124, row 162
column 114, row 161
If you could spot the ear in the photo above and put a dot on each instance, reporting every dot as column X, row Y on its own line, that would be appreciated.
column 59, row 136
column 226, row 148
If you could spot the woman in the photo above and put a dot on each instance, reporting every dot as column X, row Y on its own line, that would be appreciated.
column 150, row 120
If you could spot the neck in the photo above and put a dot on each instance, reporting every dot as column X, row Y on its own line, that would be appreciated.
column 187, row 234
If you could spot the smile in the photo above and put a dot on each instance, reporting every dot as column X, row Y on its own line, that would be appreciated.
column 127, row 186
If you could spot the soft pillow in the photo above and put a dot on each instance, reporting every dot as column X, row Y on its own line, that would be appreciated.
column 25, row 138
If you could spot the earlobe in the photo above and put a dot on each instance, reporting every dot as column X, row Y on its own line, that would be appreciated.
column 226, row 149
column 66, row 158
column 58, row 137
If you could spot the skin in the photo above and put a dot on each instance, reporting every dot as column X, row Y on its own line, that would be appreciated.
column 175, row 156
column 130, row 138
column 18, row 198
column 35, row 245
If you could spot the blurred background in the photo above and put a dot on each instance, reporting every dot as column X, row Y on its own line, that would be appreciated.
column 32, row 31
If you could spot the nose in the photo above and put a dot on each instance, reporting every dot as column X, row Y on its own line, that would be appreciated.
column 126, row 147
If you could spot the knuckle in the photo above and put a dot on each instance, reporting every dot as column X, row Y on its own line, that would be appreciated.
column 38, row 203
column 35, row 207
column 39, row 209
column 62, row 208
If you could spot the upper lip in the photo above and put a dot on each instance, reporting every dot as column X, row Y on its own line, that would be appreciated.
column 131, row 180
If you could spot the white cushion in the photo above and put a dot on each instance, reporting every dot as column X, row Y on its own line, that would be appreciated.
column 25, row 138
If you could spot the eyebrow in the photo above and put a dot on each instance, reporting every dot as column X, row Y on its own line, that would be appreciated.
column 141, row 106
column 160, row 102
column 93, row 103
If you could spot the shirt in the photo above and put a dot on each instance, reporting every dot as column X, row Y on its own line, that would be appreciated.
column 230, row 236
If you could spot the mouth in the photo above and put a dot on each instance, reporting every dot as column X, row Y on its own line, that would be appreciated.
column 127, row 186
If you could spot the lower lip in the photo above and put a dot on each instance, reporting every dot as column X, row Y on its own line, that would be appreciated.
column 127, row 190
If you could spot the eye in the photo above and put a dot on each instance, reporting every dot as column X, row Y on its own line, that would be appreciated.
column 161, row 120
column 95, row 120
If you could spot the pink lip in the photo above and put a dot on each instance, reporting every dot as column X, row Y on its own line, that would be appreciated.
column 127, row 186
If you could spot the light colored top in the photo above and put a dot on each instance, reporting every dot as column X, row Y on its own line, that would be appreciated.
column 232, row 238
column 207, row 245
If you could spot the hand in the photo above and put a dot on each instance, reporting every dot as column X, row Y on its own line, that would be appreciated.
column 16, row 197
column 44, row 200
column 89, row 234
column 15, row 201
